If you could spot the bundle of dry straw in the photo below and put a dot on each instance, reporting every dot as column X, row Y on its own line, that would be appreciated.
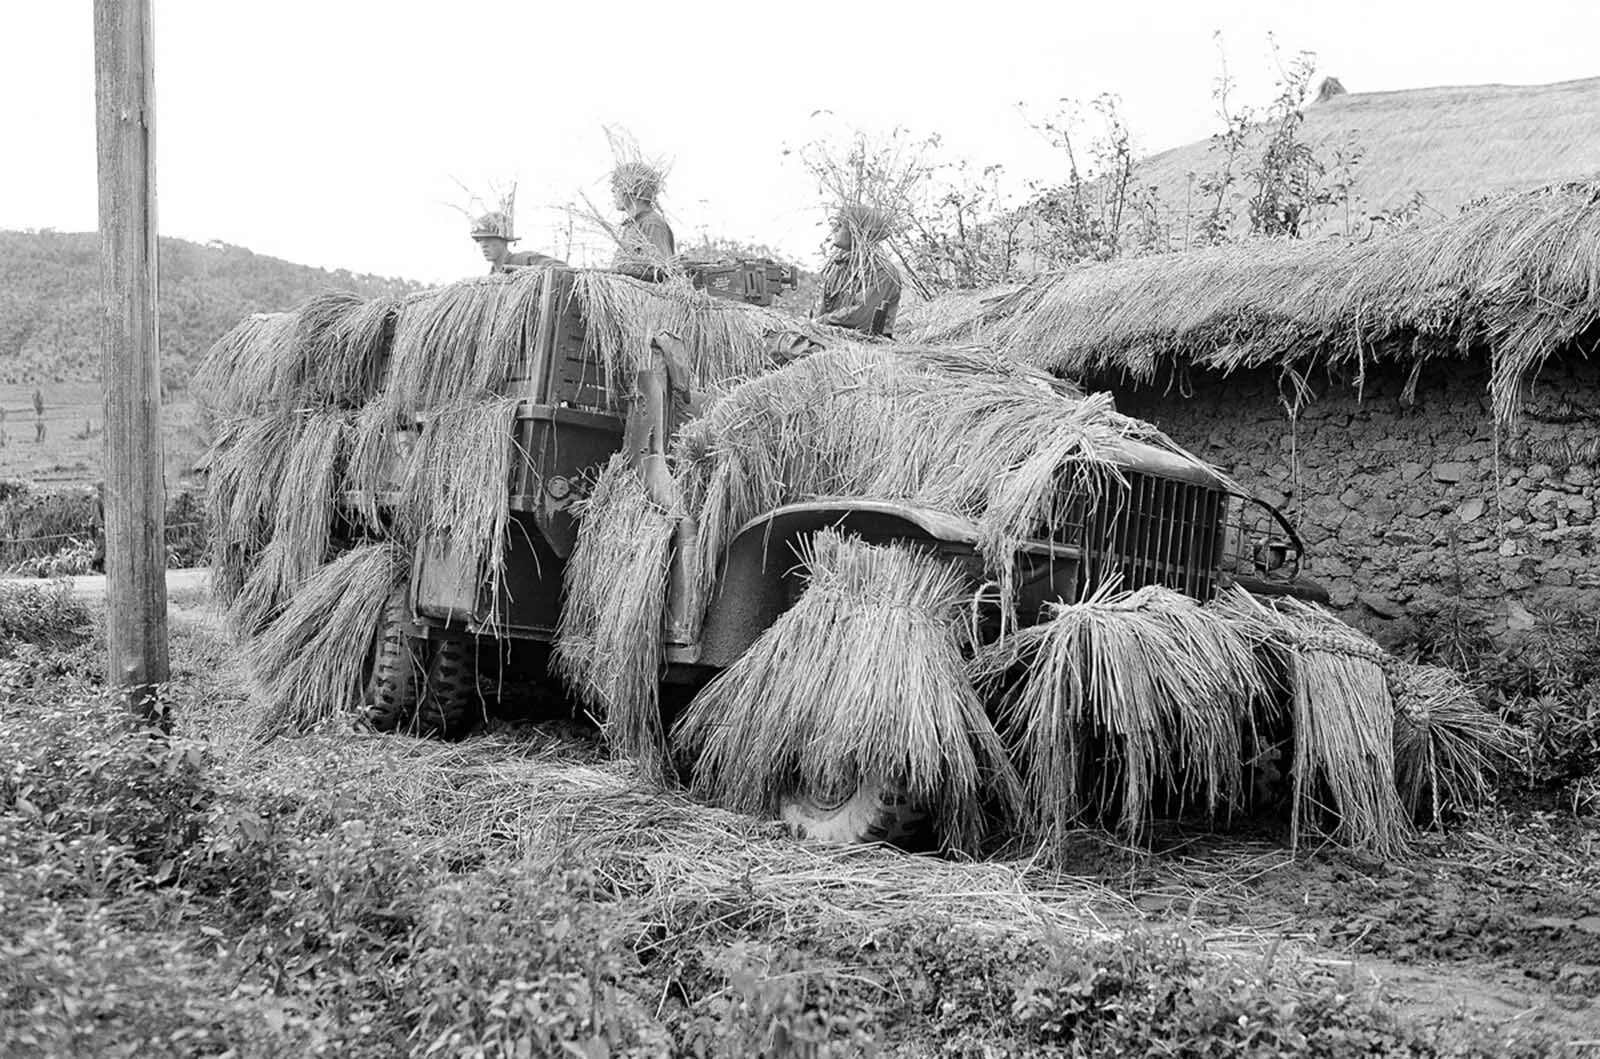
column 1446, row 745
column 250, row 458
column 330, row 352
column 315, row 659
column 340, row 350
column 462, row 340
column 1341, row 713
column 727, row 341
column 305, row 484
column 957, row 316
column 1116, row 698
column 860, row 685
column 456, row 495
column 608, row 646
column 242, row 371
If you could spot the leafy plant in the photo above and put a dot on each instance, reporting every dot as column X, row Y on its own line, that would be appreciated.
column 1084, row 218
column 99, row 789
column 40, row 614
column 522, row 960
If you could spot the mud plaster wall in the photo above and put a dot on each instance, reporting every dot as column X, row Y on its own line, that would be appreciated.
column 1398, row 503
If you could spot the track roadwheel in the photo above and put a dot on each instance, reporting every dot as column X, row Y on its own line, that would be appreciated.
column 871, row 812
column 392, row 689
column 449, row 704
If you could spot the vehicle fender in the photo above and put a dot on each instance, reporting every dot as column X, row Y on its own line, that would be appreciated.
column 755, row 579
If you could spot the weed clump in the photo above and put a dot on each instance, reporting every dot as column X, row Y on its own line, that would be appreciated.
column 40, row 615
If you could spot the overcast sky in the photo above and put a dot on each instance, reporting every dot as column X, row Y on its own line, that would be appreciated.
column 331, row 132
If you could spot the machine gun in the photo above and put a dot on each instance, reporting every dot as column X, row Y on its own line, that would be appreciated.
column 756, row 281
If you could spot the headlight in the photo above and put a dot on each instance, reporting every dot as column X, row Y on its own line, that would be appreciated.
column 1270, row 555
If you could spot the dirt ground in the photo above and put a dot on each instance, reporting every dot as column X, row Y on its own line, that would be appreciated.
column 1498, row 918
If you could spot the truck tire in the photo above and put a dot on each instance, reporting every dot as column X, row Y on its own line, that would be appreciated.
column 449, row 706
column 391, row 696
column 873, row 812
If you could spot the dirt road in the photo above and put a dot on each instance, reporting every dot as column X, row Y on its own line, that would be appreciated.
column 93, row 586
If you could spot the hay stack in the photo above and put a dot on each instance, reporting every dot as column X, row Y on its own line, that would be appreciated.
column 861, row 683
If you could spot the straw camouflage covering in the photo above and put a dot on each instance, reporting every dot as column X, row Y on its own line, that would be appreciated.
column 860, row 684
column 318, row 398
column 1113, row 699
column 633, row 175
column 1446, row 745
column 345, row 399
column 608, row 645
column 455, row 497
column 491, row 212
column 637, row 180
column 243, row 370
column 957, row 431
column 496, row 224
column 314, row 658
column 727, row 341
column 1341, row 715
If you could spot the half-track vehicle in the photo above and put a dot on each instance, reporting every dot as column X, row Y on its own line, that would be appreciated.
column 1168, row 522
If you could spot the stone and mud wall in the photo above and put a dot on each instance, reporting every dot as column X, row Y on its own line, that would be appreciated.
column 1406, row 504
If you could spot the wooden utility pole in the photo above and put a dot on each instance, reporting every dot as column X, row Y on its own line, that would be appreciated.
column 130, row 369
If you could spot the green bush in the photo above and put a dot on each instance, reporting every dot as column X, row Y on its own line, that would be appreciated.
column 1544, row 680
column 47, row 615
column 96, row 789
column 35, row 522
column 59, row 532
column 523, row 959
column 1547, row 681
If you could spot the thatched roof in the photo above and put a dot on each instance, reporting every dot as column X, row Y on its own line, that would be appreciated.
column 1517, row 278
column 1450, row 144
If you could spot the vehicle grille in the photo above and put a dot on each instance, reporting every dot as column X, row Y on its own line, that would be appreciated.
column 1153, row 531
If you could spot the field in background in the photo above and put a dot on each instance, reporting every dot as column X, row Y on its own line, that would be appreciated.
column 74, row 419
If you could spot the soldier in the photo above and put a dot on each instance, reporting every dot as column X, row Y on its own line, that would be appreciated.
column 645, row 245
column 859, row 287
column 494, row 237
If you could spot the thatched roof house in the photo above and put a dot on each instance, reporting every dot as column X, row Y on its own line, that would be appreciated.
column 1515, row 280
column 1423, row 399
column 1450, row 144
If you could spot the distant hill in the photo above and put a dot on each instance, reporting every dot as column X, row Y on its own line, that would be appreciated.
column 50, row 294
column 1450, row 144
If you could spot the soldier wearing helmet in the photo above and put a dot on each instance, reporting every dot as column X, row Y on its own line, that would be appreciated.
column 492, row 232
column 859, row 287
column 645, row 244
